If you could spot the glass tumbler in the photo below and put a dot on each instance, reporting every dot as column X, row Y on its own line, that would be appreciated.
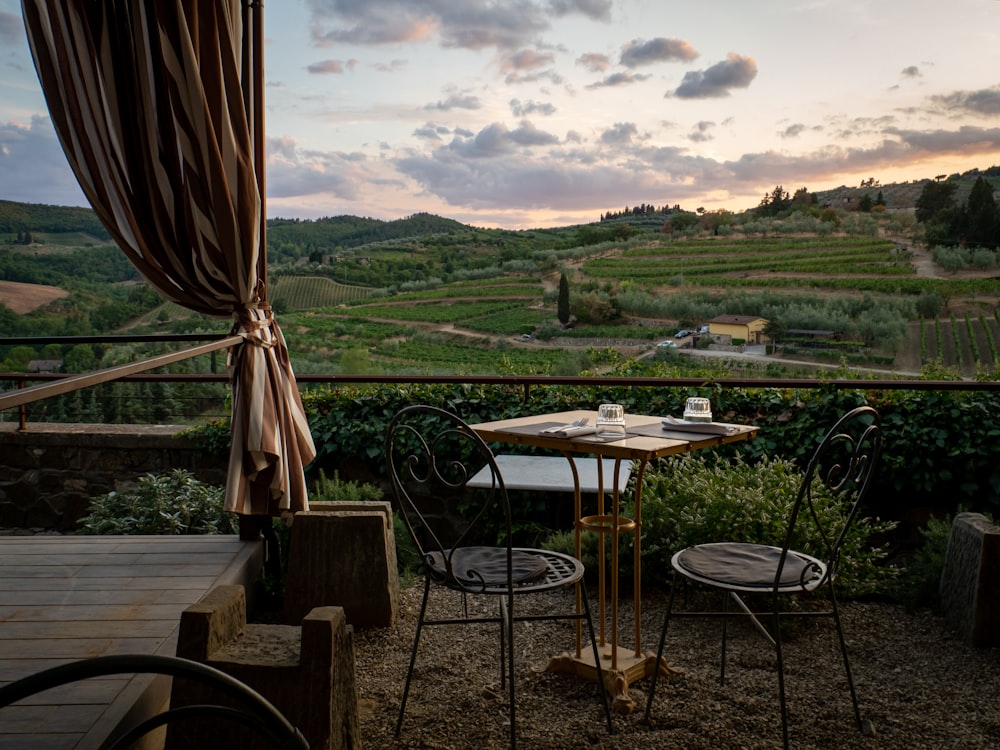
column 610, row 420
column 698, row 410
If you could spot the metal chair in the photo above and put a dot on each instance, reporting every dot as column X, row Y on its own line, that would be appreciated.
column 463, row 535
column 844, row 463
column 251, row 710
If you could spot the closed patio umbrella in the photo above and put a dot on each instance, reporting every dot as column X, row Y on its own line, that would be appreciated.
column 158, row 105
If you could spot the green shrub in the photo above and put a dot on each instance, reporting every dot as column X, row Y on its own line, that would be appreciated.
column 335, row 490
column 175, row 503
column 919, row 584
column 692, row 499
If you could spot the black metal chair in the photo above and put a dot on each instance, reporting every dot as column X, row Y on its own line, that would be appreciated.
column 251, row 709
column 463, row 535
column 844, row 463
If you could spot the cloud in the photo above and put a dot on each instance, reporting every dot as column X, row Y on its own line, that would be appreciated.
column 620, row 132
column 793, row 131
column 457, row 101
column 598, row 10
column 431, row 132
column 570, row 176
column 702, row 132
column 391, row 66
column 911, row 71
column 543, row 75
column 524, row 184
column 967, row 140
column 525, row 59
column 637, row 52
column 980, row 102
column 594, row 61
column 326, row 67
column 715, row 82
column 497, row 139
column 470, row 24
column 33, row 167
column 623, row 78
column 527, row 134
column 527, row 66
column 520, row 109
column 294, row 172
column 11, row 28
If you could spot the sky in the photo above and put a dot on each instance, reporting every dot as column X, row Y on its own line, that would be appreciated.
column 532, row 113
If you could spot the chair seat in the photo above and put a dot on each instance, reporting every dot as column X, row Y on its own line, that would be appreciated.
column 748, row 567
column 484, row 569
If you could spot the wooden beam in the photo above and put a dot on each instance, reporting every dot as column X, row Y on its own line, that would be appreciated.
column 85, row 380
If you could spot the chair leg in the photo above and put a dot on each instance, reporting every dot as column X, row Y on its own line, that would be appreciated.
column 509, row 624
column 601, row 687
column 659, row 648
column 413, row 656
column 863, row 727
column 503, row 643
column 725, row 637
column 781, row 673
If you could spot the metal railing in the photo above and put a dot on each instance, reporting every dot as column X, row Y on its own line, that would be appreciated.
column 48, row 385
column 57, row 384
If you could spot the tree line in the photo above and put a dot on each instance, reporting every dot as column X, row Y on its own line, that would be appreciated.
column 974, row 222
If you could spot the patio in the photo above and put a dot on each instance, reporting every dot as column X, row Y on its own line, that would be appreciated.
column 66, row 598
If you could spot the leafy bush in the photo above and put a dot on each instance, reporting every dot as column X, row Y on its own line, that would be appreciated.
column 920, row 582
column 335, row 490
column 692, row 499
column 175, row 503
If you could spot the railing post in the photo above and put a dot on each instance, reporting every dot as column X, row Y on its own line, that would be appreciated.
column 22, row 412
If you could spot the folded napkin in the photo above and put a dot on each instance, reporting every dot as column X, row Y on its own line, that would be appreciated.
column 569, row 430
column 706, row 428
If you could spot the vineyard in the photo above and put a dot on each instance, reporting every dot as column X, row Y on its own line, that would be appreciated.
column 312, row 292
column 458, row 299
column 969, row 344
column 661, row 285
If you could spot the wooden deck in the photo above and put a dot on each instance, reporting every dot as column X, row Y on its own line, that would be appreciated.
column 64, row 598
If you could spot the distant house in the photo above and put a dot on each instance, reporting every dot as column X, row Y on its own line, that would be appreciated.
column 45, row 365
column 749, row 328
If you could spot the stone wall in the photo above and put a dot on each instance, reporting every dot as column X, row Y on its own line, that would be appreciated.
column 49, row 472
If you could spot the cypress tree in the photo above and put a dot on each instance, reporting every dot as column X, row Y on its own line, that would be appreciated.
column 562, row 306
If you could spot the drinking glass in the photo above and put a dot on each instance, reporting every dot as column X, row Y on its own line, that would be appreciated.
column 610, row 420
column 698, row 410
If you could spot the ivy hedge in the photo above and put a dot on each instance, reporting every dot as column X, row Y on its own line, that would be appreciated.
column 942, row 448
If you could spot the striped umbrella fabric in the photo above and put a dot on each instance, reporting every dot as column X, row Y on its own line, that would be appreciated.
column 148, row 98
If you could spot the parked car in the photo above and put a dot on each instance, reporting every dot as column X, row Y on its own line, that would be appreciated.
column 666, row 345
column 703, row 330
column 683, row 333
column 525, row 337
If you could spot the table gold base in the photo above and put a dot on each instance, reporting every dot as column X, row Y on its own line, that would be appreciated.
column 616, row 681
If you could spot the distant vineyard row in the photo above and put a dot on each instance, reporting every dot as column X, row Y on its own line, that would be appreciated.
column 970, row 345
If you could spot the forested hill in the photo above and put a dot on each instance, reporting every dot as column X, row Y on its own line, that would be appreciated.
column 39, row 217
column 351, row 231
column 345, row 231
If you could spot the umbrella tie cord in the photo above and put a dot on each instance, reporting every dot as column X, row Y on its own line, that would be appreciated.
column 256, row 326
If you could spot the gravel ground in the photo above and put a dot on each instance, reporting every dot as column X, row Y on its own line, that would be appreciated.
column 919, row 685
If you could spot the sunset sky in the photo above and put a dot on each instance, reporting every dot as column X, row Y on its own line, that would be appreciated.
column 527, row 113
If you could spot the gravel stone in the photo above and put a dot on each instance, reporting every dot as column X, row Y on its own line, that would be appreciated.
column 918, row 685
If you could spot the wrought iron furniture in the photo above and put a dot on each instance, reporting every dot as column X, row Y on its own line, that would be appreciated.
column 463, row 534
column 254, row 711
column 646, row 439
column 844, row 464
